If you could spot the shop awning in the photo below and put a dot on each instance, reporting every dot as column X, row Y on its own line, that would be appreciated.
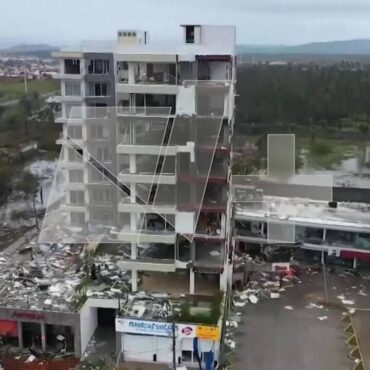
column 8, row 328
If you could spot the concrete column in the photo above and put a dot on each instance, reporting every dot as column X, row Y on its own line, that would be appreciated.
column 63, row 88
column 132, row 163
column 133, row 251
column 119, row 346
column 133, row 193
column 192, row 281
column 131, row 72
column 134, row 280
column 355, row 263
column 133, row 222
column 20, row 335
column 77, row 341
column 83, row 89
column 43, row 336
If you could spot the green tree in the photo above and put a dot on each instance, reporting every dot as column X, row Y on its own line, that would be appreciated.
column 5, row 181
column 29, row 186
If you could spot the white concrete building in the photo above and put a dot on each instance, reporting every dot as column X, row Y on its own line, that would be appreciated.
column 146, row 154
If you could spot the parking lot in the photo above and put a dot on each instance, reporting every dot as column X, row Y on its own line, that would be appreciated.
column 296, row 331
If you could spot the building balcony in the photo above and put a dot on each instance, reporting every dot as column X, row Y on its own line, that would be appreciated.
column 74, row 207
column 60, row 118
column 145, row 111
column 65, row 163
column 147, row 88
column 70, row 141
column 215, row 206
column 148, row 265
column 74, row 186
column 123, row 148
column 68, row 76
column 145, row 236
column 69, row 98
column 147, row 178
column 125, row 206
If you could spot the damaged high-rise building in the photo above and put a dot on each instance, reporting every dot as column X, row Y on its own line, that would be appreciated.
column 146, row 150
column 145, row 169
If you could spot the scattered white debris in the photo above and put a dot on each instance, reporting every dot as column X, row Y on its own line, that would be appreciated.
column 348, row 301
column 361, row 292
column 272, row 283
column 274, row 295
column 244, row 297
column 232, row 324
column 253, row 298
column 231, row 344
column 290, row 308
column 214, row 253
column 30, row 358
column 314, row 305
column 239, row 304
column 322, row 318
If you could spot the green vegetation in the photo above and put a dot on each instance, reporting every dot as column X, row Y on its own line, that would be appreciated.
column 209, row 316
column 14, row 88
column 24, row 125
column 309, row 96
column 327, row 107
column 320, row 148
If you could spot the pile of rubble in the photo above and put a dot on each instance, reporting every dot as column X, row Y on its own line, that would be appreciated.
column 46, row 281
column 107, row 280
column 53, row 277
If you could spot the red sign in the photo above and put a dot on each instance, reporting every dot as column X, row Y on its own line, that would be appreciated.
column 28, row 315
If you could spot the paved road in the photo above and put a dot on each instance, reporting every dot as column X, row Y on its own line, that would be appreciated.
column 274, row 338
column 361, row 321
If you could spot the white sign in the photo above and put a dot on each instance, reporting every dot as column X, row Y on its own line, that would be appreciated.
column 158, row 328
column 185, row 331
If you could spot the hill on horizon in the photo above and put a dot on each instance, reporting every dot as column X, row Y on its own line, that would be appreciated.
column 37, row 50
column 346, row 47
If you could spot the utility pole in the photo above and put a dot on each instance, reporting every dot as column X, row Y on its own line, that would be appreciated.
column 324, row 271
column 173, row 340
column 25, row 78
column 171, row 311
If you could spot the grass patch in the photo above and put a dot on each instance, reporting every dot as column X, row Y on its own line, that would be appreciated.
column 320, row 148
column 14, row 88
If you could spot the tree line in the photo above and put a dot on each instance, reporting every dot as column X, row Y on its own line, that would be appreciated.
column 304, row 94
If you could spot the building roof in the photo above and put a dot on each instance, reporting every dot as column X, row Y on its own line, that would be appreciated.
column 215, row 40
column 347, row 216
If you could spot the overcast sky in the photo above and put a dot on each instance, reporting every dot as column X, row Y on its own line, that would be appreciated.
column 258, row 21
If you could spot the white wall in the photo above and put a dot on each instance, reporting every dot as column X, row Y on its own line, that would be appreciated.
column 88, row 323
column 224, row 37
column 143, row 347
column 185, row 103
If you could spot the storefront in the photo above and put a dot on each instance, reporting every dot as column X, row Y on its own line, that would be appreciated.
column 151, row 341
column 57, row 332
